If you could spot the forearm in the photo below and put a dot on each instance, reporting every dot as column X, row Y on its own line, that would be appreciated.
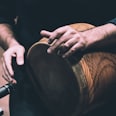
column 7, row 36
column 102, row 37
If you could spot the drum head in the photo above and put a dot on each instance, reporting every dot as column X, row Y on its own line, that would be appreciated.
column 53, row 80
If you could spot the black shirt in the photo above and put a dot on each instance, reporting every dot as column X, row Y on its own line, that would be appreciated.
column 35, row 15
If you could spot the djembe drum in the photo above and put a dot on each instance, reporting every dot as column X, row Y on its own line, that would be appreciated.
column 71, row 87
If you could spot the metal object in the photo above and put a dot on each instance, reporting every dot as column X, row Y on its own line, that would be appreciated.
column 6, row 89
column 1, row 112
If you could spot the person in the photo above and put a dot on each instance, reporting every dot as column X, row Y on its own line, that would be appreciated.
column 20, row 24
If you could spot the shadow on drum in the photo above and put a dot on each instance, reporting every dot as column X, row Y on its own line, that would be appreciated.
column 74, row 86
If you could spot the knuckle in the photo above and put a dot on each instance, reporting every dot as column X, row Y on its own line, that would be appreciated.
column 67, row 45
column 72, row 50
column 4, row 55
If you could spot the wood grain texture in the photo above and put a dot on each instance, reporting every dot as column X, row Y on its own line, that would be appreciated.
column 95, row 71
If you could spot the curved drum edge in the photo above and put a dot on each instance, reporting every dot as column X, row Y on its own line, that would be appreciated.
column 95, row 75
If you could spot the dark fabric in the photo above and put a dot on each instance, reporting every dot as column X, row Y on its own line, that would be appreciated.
column 7, row 11
column 113, row 21
column 23, row 99
column 35, row 15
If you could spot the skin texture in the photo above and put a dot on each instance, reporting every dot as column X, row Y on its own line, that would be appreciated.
column 12, row 49
column 70, row 41
column 66, row 39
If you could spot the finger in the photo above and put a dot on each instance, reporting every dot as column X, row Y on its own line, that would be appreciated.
column 66, row 46
column 5, row 70
column 9, row 80
column 5, row 73
column 72, row 50
column 58, row 33
column 20, row 57
column 7, row 65
column 70, row 42
column 59, row 44
column 5, row 78
column 62, row 50
column 45, row 33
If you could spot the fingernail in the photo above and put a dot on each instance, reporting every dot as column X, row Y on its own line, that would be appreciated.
column 48, row 51
column 14, row 81
column 20, row 62
column 49, row 41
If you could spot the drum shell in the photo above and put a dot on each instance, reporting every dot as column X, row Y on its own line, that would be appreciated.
column 90, row 78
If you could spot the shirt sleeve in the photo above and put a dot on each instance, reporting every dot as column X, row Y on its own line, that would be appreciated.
column 113, row 21
column 7, row 11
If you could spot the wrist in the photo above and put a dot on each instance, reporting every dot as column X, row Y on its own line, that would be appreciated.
column 10, row 41
column 101, row 36
column 7, row 36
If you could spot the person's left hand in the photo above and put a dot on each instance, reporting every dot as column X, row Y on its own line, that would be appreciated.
column 65, row 40
column 16, row 51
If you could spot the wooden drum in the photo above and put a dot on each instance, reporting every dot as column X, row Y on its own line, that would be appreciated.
column 70, row 87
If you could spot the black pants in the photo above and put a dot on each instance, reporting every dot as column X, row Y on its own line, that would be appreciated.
column 23, row 99
column 57, row 96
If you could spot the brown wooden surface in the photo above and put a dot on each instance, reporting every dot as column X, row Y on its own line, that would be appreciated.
column 95, row 72
column 3, row 101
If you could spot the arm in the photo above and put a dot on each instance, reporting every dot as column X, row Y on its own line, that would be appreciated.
column 8, row 39
column 12, row 49
column 71, row 40
column 101, row 37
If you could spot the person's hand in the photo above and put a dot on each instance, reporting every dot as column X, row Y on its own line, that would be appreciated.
column 65, row 40
column 14, row 51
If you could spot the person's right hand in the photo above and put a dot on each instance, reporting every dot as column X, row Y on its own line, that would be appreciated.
column 16, row 51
